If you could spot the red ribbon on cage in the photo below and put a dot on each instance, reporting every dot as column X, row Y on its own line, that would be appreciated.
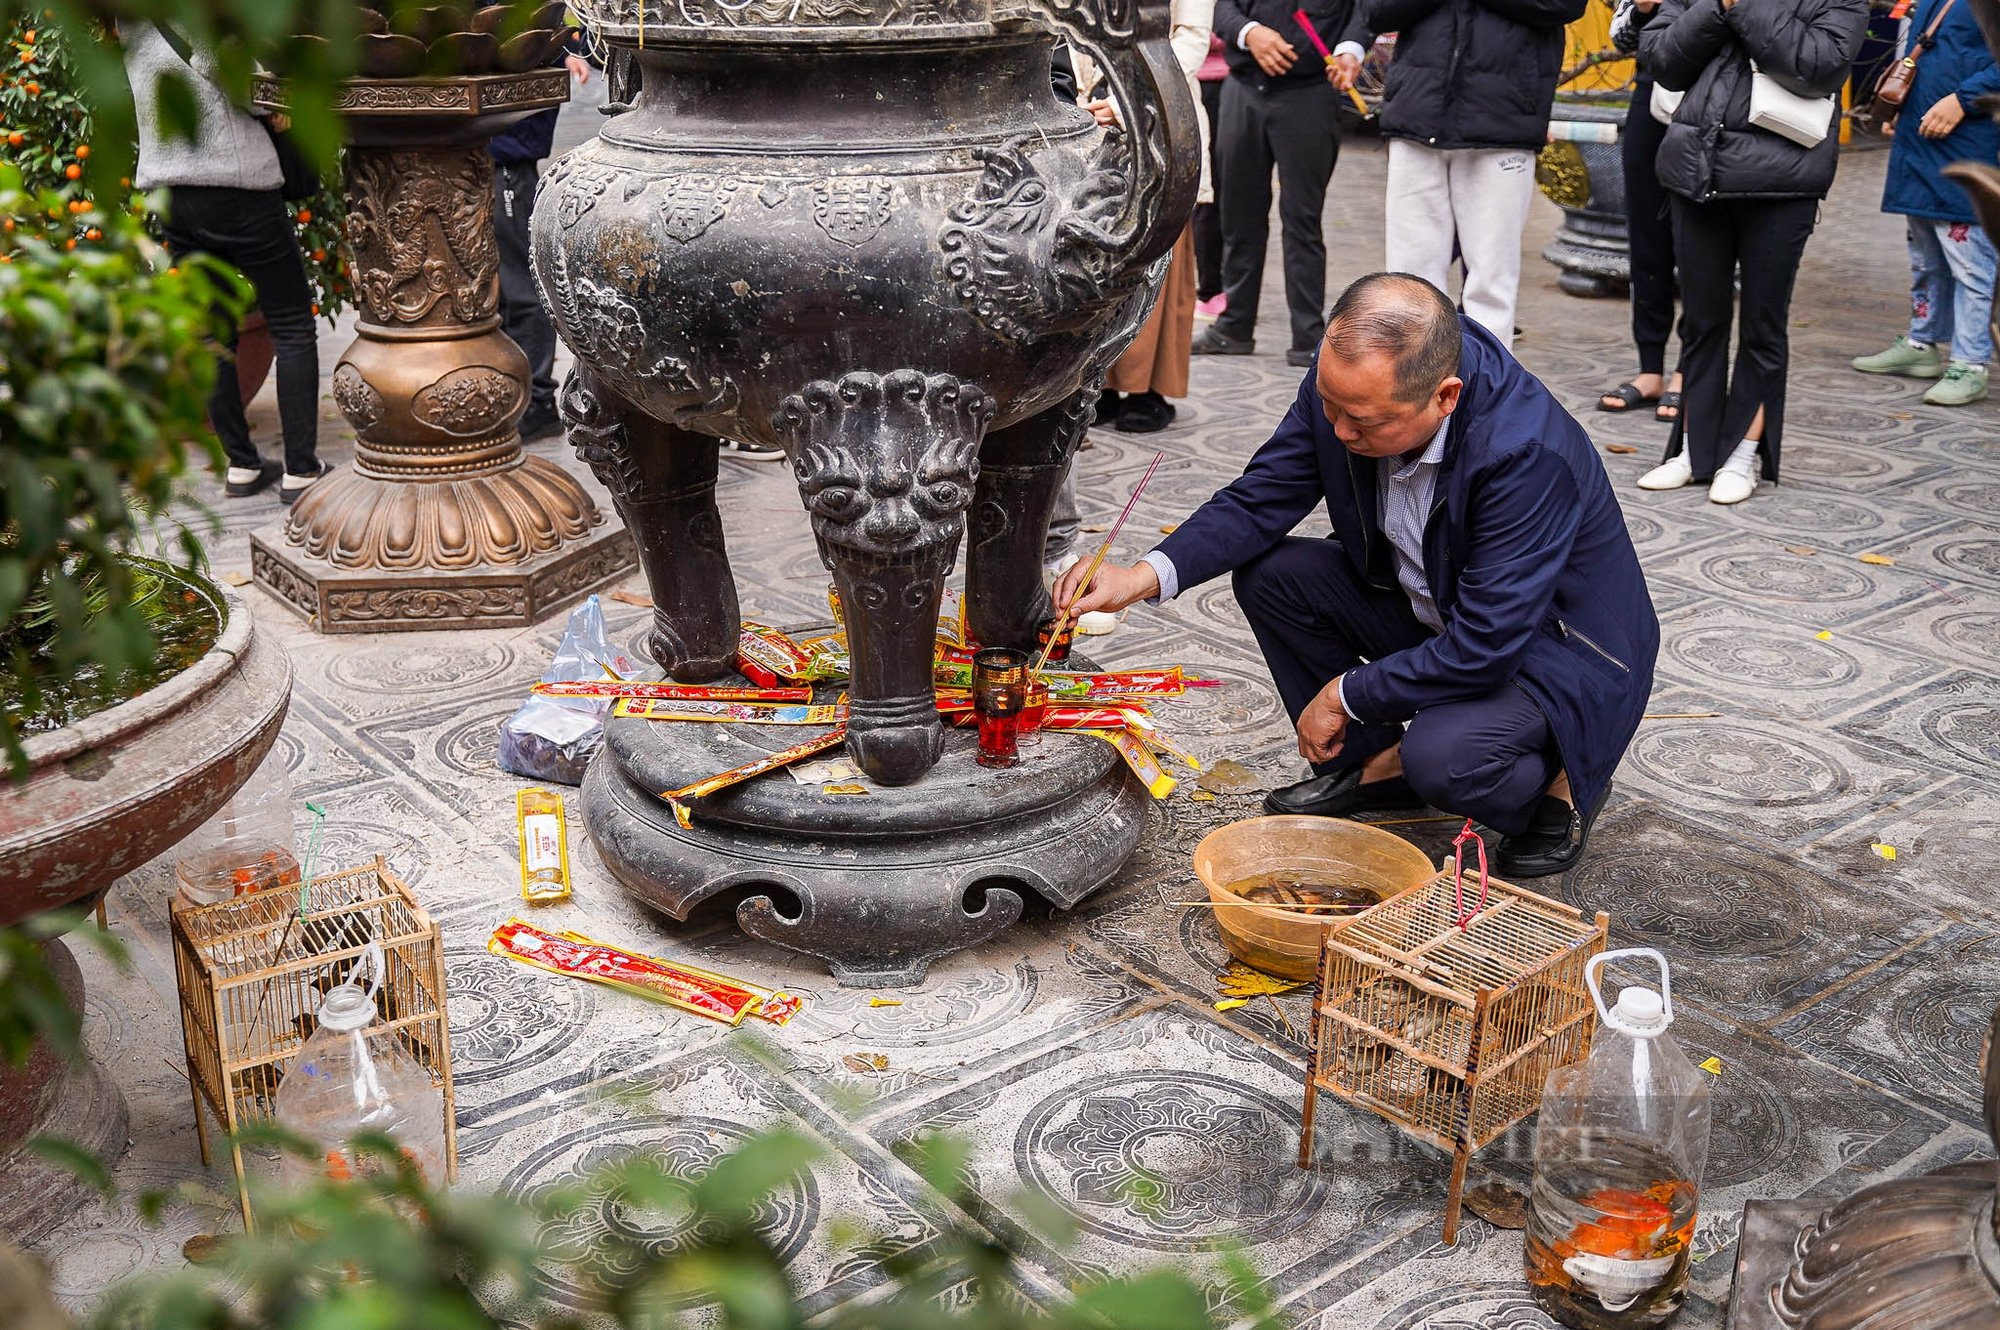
column 1461, row 916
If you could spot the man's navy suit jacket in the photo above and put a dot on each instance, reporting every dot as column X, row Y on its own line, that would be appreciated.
column 1525, row 551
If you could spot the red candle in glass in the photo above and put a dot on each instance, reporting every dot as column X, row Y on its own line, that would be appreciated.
column 999, row 696
column 1063, row 639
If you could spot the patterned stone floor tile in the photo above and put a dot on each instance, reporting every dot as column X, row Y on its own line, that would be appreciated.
column 1750, row 665
column 1965, row 555
column 1914, row 1022
column 1945, row 843
column 1811, row 589
column 1211, row 1120
column 1956, row 625
column 1953, row 723
column 1753, row 932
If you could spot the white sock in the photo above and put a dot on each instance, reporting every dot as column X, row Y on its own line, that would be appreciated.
column 242, row 475
column 1744, row 459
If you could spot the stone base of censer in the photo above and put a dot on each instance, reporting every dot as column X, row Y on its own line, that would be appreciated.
column 877, row 885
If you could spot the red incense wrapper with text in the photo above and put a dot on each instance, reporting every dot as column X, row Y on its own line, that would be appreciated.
column 700, row 991
column 673, row 692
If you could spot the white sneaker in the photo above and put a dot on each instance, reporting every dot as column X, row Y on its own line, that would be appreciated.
column 1096, row 623
column 1668, row 475
column 1052, row 571
column 1732, row 485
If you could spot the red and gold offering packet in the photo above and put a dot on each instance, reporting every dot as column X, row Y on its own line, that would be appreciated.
column 677, row 692
column 1140, row 758
column 538, row 817
column 748, row 771
column 1067, row 687
column 748, row 713
column 702, row 992
column 773, row 652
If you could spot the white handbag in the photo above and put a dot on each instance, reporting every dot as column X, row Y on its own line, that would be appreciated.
column 1803, row 120
column 1665, row 103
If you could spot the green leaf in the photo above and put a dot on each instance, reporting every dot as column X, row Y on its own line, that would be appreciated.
column 79, row 1161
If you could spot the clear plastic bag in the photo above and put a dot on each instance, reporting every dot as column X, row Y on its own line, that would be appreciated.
column 249, row 845
column 554, row 738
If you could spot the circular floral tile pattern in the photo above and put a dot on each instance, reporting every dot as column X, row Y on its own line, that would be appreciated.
column 1976, row 559
column 1735, row 654
column 1741, row 766
column 1480, row 1307
column 1971, row 729
column 505, row 1017
column 1977, row 634
column 1167, row 1161
column 1754, row 1134
column 400, row 669
column 1787, row 577
column 1980, row 498
column 1704, row 905
column 969, row 1007
column 685, row 1146
column 1941, row 1025
column 1832, row 463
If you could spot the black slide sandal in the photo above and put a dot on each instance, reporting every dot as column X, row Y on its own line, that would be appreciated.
column 1629, row 397
column 1668, row 402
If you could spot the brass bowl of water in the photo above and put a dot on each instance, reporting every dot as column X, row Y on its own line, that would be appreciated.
column 1256, row 868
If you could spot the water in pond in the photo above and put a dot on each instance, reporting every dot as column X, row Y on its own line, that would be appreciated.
column 39, row 696
column 1288, row 887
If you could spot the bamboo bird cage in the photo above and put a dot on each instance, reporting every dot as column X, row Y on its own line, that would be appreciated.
column 1448, row 1029
column 252, row 971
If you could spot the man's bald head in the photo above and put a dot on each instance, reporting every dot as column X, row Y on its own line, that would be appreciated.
column 1402, row 317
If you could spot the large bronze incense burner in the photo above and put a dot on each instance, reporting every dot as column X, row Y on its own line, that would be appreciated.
column 869, row 232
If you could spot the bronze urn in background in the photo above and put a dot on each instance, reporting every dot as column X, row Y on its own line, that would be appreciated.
column 442, row 521
column 869, row 232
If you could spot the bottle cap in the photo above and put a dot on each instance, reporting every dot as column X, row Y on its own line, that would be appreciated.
column 1640, row 1011
column 349, row 1007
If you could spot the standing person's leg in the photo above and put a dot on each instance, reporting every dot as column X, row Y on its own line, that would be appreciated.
column 1314, row 619
column 188, row 217
column 1771, row 240
column 1207, row 216
column 1705, row 252
column 521, row 312
column 1243, row 192
column 1922, row 352
column 1059, row 546
column 1968, row 253
column 1305, row 140
column 1491, row 192
column 1650, row 239
column 1418, row 229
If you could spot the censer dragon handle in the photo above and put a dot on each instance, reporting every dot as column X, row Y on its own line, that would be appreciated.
column 1129, row 40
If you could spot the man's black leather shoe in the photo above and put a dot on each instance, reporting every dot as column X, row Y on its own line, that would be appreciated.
column 1341, row 793
column 1209, row 342
column 1552, row 844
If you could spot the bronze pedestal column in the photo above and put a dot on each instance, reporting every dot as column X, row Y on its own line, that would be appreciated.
column 443, row 521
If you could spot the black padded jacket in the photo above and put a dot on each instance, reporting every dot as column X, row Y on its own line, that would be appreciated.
column 1712, row 151
column 1472, row 73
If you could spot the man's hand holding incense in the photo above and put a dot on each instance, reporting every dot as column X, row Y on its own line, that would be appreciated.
column 1323, row 726
column 1341, row 72
column 1111, row 590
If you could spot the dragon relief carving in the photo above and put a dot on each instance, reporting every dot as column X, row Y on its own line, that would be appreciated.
column 421, row 226
column 1033, row 255
column 886, row 463
column 597, row 434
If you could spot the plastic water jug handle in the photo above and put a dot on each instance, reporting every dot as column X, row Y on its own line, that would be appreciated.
column 1592, row 980
column 371, row 957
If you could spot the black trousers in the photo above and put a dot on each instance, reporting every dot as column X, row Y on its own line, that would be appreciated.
column 1490, row 758
column 1294, row 127
column 1757, row 243
column 1208, row 216
column 1649, row 233
column 251, row 230
column 521, row 312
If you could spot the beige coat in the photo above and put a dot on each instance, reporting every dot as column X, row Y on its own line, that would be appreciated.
column 1192, row 21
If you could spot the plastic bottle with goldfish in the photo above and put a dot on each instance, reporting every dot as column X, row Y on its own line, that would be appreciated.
column 1619, row 1150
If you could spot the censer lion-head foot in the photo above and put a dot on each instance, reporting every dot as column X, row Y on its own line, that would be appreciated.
column 886, row 462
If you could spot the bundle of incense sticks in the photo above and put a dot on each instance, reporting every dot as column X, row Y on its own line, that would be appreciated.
column 746, row 713
column 675, row 799
column 675, row 692
column 1096, row 562
column 1105, row 687
column 1360, row 103
column 702, row 992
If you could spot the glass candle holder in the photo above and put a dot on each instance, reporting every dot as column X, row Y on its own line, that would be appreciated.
column 1034, row 711
column 999, row 696
column 1063, row 640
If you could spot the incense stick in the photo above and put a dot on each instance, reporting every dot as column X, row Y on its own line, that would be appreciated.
column 1259, row 905
column 1096, row 562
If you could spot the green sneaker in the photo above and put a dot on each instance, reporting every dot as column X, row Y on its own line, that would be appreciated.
column 1912, row 362
column 1961, row 385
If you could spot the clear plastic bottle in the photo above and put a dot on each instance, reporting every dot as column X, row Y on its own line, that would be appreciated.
column 1619, row 1150
column 349, row 1079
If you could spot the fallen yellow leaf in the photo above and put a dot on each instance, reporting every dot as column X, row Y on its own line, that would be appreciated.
column 1619, row 448
column 1822, row 636
column 1884, row 849
column 1713, row 1066
column 885, row 1002
column 1881, row 560
column 1803, row 551
column 1229, row 1004
column 1168, row 528
column 1200, row 797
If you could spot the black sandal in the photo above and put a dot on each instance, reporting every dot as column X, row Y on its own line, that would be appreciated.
column 1668, row 402
column 1629, row 399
